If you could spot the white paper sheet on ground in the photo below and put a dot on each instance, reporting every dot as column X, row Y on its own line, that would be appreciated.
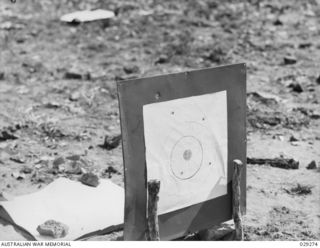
column 82, row 208
column 186, row 149
column 87, row 15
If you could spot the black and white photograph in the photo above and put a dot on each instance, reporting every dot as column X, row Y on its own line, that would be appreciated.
column 149, row 120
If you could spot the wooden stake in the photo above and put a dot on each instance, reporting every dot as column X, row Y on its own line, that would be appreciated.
column 236, row 199
column 153, row 226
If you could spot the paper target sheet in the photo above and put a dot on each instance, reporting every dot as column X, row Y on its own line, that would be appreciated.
column 82, row 208
column 186, row 149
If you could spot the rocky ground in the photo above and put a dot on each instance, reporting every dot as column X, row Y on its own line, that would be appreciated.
column 58, row 99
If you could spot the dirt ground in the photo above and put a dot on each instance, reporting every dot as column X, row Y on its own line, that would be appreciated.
column 58, row 92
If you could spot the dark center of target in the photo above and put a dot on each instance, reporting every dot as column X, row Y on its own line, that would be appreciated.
column 187, row 154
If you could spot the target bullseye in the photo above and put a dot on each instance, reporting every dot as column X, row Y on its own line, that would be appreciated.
column 186, row 157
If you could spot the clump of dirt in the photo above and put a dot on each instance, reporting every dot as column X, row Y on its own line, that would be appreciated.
column 301, row 190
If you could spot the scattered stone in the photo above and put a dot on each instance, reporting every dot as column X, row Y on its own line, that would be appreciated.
column 315, row 115
column 276, row 162
column 111, row 170
column 300, row 190
column 131, row 69
column 278, row 22
column 111, row 141
column 75, row 96
column 7, row 135
column 75, row 75
column 289, row 60
column 263, row 98
column 264, row 120
column 310, row 88
column 58, row 161
column 26, row 170
column 1, row 75
column 292, row 138
column 73, row 167
column 162, row 59
column 318, row 80
column 305, row 45
column 51, row 105
column 72, row 75
column 282, row 210
column 312, row 165
column 296, row 87
column 53, row 229
column 90, row 179
column 18, row 159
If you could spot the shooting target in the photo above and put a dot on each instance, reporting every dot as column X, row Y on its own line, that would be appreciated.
column 183, row 129
column 186, row 149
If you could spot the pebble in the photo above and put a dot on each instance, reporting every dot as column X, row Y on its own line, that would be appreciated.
column 73, row 167
column 305, row 45
column 278, row 22
column 18, row 159
column 318, row 80
column 296, row 87
column 26, row 170
column 53, row 229
column 75, row 96
column 77, row 75
column 292, row 139
column 111, row 141
column 72, row 75
column 289, row 60
column 111, row 170
column 90, row 179
column 312, row 165
column 58, row 161
column 131, row 69
column 162, row 59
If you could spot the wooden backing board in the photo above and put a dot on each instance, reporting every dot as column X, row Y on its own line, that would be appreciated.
column 133, row 94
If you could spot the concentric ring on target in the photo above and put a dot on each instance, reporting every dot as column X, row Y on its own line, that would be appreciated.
column 186, row 157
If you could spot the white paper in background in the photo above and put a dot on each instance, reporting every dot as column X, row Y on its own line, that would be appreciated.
column 82, row 208
column 186, row 149
column 88, row 15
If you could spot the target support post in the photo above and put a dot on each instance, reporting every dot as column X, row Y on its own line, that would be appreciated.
column 152, row 221
column 238, row 165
